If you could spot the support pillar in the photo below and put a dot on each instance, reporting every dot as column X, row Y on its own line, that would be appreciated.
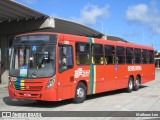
column 4, row 59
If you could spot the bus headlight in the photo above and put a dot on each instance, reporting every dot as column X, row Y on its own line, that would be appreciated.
column 50, row 82
column 10, row 81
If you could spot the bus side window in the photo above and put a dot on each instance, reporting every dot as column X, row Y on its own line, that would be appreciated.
column 109, row 54
column 145, row 56
column 129, row 56
column 116, row 59
column 65, row 57
column 97, row 54
column 151, row 56
column 83, row 53
column 120, row 55
column 138, row 56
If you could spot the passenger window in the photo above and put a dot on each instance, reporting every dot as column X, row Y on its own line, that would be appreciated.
column 109, row 54
column 120, row 55
column 129, row 56
column 151, row 56
column 83, row 54
column 137, row 54
column 97, row 54
column 145, row 57
column 65, row 57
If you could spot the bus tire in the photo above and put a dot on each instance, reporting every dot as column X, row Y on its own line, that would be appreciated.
column 137, row 84
column 130, row 85
column 80, row 93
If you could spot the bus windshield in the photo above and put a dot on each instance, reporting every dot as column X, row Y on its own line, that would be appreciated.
column 33, row 61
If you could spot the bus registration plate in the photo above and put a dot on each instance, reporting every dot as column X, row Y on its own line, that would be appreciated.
column 27, row 95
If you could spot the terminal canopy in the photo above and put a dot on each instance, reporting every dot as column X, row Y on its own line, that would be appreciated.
column 13, row 14
column 16, row 18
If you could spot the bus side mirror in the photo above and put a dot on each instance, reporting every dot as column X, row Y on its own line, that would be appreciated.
column 7, row 52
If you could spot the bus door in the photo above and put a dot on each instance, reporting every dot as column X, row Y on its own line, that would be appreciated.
column 110, row 70
column 120, row 76
column 66, row 72
column 120, row 67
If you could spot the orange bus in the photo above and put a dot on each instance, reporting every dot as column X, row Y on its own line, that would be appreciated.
column 47, row 66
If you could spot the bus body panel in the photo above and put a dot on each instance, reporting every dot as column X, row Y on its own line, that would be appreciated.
column 148, row 73
column 120, row 76
column 110, row 77
column 100, row 78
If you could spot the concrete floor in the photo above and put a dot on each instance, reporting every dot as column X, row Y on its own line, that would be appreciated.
column 146, row 99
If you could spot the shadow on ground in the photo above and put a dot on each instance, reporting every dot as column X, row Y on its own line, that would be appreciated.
column 111, row 93
column 44, row 104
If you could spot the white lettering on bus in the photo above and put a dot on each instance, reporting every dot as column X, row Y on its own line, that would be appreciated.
column 66, row 42
column 81, row 73
column 134, row 68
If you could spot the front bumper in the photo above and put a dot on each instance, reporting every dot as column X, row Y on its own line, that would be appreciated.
column 44, row 95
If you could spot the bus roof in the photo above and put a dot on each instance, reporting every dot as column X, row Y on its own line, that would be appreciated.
column 111, row 40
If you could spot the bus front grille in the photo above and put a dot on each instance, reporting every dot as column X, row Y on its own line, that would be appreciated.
column 28, row 86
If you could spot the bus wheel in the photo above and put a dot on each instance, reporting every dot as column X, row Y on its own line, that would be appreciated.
column 80, row 93
column 137, row 84
column 130, row 85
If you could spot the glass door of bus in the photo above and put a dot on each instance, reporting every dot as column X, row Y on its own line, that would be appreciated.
column 110, row 68
column 66, row 72
column 120, row 67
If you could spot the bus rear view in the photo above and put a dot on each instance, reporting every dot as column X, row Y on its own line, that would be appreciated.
column 32, row 68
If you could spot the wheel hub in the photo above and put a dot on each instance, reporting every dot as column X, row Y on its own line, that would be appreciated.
column 80, row 93
column 130, row 85
column 137, row 82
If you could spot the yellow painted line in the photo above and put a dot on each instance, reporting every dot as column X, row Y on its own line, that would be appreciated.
column 94, row 91
column 22, row 84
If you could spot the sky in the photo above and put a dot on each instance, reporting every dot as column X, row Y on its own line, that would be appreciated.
column 137, row 21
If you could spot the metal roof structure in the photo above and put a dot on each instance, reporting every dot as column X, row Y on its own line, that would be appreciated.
column 76, row 28
column 11, row 10
column 69, row 27
column 13, row 15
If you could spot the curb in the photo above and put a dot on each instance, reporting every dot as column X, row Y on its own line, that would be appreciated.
column 3, row 85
